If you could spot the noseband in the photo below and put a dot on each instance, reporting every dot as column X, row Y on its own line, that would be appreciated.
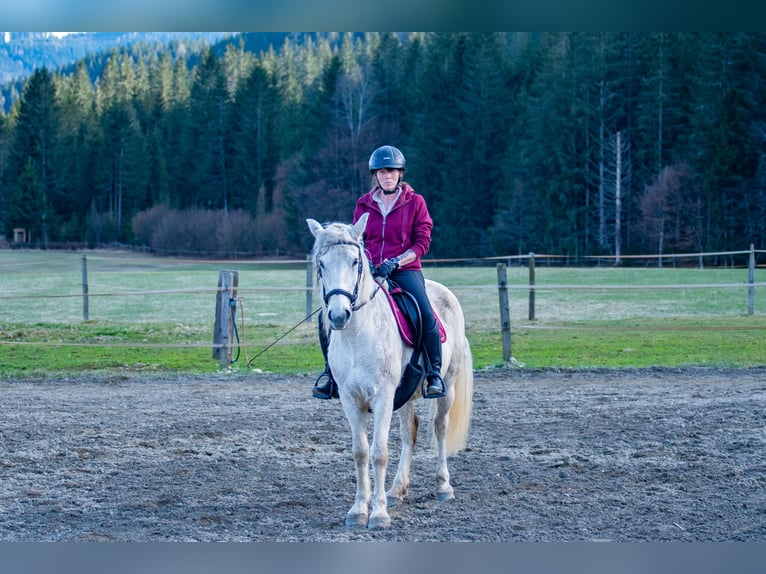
column 352, row 296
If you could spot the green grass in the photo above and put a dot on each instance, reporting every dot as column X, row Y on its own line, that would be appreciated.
column 157, row 314
column 677, row 342
column 40, row 348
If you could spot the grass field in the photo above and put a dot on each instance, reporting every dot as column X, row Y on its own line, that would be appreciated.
column 153, row 313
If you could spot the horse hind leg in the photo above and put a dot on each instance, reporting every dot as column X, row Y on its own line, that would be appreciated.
column 408, row 425
column 444, row 489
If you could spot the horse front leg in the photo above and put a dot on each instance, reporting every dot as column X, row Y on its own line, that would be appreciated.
column 358, row 514
column 379, row 517
column 408, row 429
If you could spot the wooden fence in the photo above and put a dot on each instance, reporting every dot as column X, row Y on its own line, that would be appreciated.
column 227, row 289
column 502, row 283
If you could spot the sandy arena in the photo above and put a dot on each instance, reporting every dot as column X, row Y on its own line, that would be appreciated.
column 620, row 455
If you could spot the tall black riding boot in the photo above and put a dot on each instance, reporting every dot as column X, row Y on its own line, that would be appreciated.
column 432, row 345
column 325, row 386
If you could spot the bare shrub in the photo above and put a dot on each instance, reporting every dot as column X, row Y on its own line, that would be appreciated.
column 217, row 233
column 145, row 222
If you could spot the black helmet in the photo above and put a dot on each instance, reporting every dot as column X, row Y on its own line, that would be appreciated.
column 387, row 156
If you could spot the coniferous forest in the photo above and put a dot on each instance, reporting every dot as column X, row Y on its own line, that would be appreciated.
column 566, row 143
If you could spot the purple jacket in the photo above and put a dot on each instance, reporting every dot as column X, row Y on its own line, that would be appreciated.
column 407, row 226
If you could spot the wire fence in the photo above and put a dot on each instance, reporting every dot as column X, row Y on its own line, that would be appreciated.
column 542, row 291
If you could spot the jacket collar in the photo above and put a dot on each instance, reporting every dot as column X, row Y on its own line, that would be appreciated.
column 406, row 195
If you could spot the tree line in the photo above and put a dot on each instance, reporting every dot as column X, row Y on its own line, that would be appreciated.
column 21, row 53
column 567, row 143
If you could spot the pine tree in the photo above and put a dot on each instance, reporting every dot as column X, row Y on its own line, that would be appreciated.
column 520, row 213
column 122, row 162
column 27, row 205
column 32, row 158
column 252, row 144
column 175, row 137
column 608, row 140
column 206, row 133
column 551, row 169
column 728, row 158
column 77, row 147
column 431, row 148
column 5, row 140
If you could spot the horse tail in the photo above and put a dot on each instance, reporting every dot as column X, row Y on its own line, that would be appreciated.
column 460, row 411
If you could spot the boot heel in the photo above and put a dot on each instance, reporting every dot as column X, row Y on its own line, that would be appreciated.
column 433, row 387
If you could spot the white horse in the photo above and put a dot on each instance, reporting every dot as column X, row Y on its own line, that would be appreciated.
column 367, row 358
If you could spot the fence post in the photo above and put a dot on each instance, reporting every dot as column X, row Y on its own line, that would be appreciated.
column 309, row 286
column 84, row 288
column 223, row 332
column 531, row 286
column 751, row 281
column 505, row 315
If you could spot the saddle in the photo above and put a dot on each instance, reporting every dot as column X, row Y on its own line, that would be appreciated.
column 407, row 314
column 409, row 321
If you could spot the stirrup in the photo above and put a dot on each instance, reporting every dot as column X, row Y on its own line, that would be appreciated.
column 326, row 390
column 433, row 386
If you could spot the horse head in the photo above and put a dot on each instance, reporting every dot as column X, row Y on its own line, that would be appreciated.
column 339, row 258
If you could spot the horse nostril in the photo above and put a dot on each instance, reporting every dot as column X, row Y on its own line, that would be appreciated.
column 339, row 320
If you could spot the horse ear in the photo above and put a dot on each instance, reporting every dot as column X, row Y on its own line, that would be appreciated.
column 314, row 226
column 358, row 227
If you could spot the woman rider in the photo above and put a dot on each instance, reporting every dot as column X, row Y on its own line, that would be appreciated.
column 397, row 236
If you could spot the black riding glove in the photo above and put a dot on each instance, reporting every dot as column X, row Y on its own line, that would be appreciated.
column 386, row 268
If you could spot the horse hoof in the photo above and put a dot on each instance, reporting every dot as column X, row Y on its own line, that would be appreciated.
column 394, row 500
column 444, row 496
column 377, row 522
column 356, row 520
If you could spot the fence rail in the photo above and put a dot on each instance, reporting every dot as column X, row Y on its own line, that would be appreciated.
column 476, row 294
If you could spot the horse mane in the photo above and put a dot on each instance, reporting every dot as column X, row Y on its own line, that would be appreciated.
column 336, row 231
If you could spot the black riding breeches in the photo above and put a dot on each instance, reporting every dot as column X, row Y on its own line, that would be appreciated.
column 412, row 281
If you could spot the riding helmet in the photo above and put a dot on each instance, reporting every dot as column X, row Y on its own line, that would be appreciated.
column 387, row 156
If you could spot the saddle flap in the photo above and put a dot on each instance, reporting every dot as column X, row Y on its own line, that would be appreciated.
column 407, row 315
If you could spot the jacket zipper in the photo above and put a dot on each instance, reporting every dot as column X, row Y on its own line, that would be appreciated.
column 383, row 238
column 383, row 228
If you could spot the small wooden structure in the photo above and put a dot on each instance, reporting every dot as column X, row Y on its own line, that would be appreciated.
column 19, row 235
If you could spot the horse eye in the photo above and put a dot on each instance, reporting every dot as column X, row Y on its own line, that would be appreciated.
column 355, row 263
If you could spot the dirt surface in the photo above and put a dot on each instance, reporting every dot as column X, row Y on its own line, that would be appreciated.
column 644, row 455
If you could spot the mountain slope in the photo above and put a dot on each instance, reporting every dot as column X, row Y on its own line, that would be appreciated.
column 23, row 52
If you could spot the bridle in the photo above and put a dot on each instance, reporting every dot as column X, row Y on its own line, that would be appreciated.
column 351, row 296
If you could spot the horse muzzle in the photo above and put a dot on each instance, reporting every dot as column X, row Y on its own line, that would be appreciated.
column 339, row 319
column 338, row 314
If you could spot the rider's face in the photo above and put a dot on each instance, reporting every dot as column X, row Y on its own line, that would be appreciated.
column 388, row 178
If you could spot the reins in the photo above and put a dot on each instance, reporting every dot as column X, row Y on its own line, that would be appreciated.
column 283, row 335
